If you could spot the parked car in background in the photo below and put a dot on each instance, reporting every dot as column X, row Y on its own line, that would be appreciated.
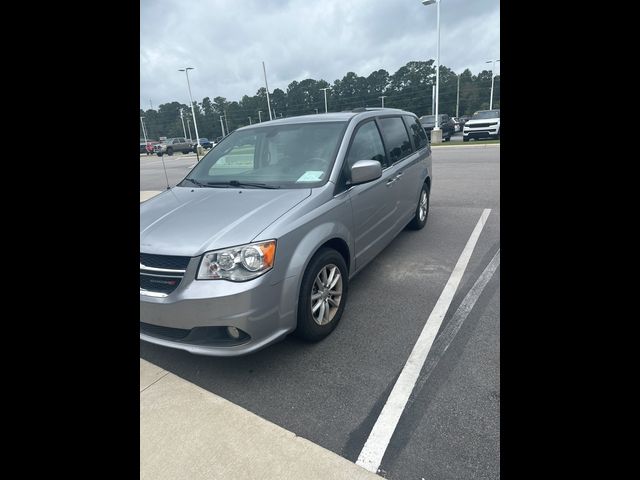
column 457, row 124
column 172, row 145
column 262, row 236
column 445, row 124
column 143, row 147
column 204, row 143
column 483, row 124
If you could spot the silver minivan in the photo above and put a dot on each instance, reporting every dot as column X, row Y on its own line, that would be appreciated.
column 262, row 236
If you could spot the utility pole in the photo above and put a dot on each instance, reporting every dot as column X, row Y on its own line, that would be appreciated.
column 458, row 97
column 226, row 122
column 250, row 121
column 382, row 97
column 260, row 116
column 325, row 98
column 189, row 128
column 184, row 130
column 144, row 131
column 222, row 126
column 267, row 85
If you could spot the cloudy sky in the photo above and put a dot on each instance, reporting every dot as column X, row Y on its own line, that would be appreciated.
column 226, row 41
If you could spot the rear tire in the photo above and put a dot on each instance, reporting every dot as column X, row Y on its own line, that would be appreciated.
column 321, row 290
column 169, row 151
column 422, row 210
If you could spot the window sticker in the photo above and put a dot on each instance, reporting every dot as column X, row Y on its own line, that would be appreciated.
column 311, row 176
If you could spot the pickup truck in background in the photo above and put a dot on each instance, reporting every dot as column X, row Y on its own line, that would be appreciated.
column 172, row 145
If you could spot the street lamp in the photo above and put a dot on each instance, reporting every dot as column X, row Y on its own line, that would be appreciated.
column 195, row 124
column 493, row 76
column 183, row 127
column 382, row 97
column 222, row 126
column 144, row 132
column 437, row 138
column 264, row 70
column 458, row 96
column 325, row 98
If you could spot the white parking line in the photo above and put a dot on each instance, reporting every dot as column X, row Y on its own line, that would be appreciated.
column 371, row 455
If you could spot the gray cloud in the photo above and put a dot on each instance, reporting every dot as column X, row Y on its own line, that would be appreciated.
column 226, row 41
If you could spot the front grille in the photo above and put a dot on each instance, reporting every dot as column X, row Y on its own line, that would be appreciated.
column 170, row 262
column 481, row 125
column 161, row 273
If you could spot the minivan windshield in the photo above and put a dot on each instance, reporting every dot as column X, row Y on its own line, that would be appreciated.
column 486, row 114
column 278, row 156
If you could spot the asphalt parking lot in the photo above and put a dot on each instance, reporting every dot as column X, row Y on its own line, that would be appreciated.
column 332, row 392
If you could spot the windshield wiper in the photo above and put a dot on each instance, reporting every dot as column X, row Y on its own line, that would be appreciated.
column 236, row 183
column 194, row 181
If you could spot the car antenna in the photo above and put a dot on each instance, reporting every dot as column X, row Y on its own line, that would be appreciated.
column 165, row 170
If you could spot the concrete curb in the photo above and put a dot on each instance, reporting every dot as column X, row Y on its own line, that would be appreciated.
column 485, row 145
column 187, row 432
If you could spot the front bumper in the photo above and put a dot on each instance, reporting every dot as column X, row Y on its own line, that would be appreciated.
column 265, row 311
column 487, row 132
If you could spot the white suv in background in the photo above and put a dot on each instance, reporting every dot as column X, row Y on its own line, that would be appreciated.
column 483, row 124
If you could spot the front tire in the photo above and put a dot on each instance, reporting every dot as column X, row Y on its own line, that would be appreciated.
column 422, row 210
column 323, row 295
column 169, row 151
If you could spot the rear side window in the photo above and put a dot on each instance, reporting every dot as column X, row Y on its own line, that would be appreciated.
column 396, row 138
column 419, row 136
column 367, row 145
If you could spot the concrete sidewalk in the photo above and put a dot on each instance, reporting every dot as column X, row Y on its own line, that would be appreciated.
column 189, row 433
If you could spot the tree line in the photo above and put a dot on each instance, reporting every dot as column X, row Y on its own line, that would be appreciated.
column 409, row 89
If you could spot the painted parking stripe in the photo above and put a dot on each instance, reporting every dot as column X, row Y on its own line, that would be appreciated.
column 450, row 330
column 371, row 455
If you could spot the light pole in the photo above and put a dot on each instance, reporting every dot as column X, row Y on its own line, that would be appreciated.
column 184, row 130
column 144, row 132
column 189, row 128
column 195, row 124
column 264, row 70
column 493, row 76
column 433, row 99
column 437, row 138
column 260, row 116
column 250, row 121
column 458, row 97
column 325, row 98
column 382, row 97
column 222, row 126
column 226, row 122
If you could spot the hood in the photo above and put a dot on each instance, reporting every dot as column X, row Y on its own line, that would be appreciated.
column 190, row 221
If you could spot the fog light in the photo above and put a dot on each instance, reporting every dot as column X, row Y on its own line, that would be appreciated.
column 233, row 332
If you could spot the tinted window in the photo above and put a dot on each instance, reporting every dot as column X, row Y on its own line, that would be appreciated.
column 419, row 136
column 366, row 145
column 396, row 138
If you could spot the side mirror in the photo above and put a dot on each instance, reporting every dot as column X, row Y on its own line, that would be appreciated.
column 364, row 171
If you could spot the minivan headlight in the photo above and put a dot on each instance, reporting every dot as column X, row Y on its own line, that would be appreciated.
column 238, row 263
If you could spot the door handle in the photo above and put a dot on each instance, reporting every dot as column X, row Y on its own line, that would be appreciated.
column 399, row 175
column 390, row 182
